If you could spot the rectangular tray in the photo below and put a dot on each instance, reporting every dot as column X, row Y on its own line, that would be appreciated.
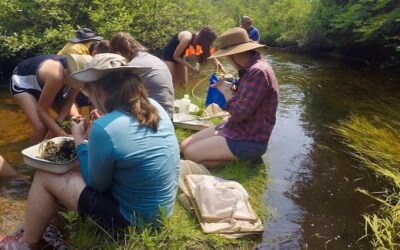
column 187, row 121
column 30, row 158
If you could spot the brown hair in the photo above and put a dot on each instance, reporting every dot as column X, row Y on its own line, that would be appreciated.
column 205, row 39
column 126, row 92
column 124, row 44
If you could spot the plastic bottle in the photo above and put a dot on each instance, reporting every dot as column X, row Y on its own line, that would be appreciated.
column 197, row 66
column 214, row 95
column 184, row 105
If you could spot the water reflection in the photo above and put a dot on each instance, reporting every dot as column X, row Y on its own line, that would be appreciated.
column 313, row 179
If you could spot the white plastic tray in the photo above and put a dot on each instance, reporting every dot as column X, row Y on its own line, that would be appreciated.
column 30, row 158
column 187, row 121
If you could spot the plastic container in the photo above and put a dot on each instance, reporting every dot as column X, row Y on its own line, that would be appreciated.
column 197, row 66
column 184, row 105
column 214, row 95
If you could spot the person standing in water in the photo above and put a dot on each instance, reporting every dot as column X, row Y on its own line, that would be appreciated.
column 186, row 44
column 37, row 84
column 247, row 24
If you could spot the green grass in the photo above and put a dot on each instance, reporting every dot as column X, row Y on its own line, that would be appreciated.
column 181, row 230
column 375, row 141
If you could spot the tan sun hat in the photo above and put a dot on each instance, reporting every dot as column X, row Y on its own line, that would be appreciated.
column 234, row 41
column 101, row 65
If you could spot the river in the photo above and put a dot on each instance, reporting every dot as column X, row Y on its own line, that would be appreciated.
column 312, row 184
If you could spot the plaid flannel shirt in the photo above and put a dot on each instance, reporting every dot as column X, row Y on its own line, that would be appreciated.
column 253, row 107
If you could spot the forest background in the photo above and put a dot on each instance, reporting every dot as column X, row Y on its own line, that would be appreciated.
column 368, row 30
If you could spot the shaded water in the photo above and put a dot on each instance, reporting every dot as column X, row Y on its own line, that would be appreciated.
column 313, row 179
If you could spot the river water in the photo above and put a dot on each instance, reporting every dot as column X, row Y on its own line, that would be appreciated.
column 312, row 184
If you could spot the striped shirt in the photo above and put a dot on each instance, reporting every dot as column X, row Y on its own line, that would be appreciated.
column 253, row 107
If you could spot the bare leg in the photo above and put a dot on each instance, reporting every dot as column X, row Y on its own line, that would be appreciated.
column 182, row 74
column 178, row 72
column 201, row 135
column 46, row 190
column 172, row 70
column 5, row 169
column 211, row 152
column 28, row 104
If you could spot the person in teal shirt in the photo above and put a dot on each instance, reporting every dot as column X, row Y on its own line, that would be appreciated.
column 128, row 168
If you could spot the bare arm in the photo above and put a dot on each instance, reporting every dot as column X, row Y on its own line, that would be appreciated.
column 184, row 38
column 68, row 107
column 52, row 73
column 218, row 65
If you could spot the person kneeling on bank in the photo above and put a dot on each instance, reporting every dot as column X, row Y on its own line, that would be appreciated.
column 252, row 107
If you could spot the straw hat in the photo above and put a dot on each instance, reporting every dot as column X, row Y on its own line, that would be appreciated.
column 85, row 35
column 234, row 41
column 101, row 65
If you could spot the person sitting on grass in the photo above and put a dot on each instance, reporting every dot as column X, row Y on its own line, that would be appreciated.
column 128, row 169
column 252, row 107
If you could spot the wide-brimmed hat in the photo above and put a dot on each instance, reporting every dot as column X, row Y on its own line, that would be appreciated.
column 234, row 41
column 101, row 65
column 85, row 35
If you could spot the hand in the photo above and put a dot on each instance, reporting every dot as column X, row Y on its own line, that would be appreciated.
column 78, row 129
column 195, row 70
column 220, row 68
column 95, row 114
column 223, row 86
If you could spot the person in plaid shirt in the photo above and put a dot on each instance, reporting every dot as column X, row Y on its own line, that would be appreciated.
column 252, row 107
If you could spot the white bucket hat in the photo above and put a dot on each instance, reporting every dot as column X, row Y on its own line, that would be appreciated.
column 101, row 65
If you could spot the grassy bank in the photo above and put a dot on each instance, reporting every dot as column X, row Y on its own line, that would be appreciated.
column 375, row 141
column 181, row 231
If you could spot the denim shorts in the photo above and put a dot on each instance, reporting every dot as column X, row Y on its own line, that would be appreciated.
column 102, row 208
column 247, row 150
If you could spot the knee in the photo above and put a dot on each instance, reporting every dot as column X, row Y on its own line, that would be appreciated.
column 40, row 176
column 184, row 144
column 39, row 128
column 189, row 153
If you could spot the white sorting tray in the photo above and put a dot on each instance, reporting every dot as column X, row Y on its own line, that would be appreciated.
column 30, row 158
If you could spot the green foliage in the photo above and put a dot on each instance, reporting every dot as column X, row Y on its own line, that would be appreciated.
column 369, row 21
column 375, row 142
column 35, row 27
column 71, row 218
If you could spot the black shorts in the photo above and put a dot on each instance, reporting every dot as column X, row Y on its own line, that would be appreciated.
column 102, row 208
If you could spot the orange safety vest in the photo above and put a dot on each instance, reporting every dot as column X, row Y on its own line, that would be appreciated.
column 190, row 51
